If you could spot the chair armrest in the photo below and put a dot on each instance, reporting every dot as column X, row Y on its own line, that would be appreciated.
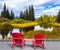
column 40, row 39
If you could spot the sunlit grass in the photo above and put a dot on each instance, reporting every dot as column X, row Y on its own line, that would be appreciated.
column 24, row 25
column 48, row 35
column 54, row 24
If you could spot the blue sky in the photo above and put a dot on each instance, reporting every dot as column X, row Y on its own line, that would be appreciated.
column 41, row 7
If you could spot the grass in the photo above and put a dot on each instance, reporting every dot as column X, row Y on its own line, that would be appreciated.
column 55, row 34
column 24, row 25
column 54, row 24
column 48, row 35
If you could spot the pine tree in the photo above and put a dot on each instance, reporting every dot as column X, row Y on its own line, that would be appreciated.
column 3, row 13
column 28, row 14
column 32, row 13
column 58, row 17
column 7, row 14
column 12, row 15
column 21, row 15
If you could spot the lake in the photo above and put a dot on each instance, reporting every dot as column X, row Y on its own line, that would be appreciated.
column 35, row 28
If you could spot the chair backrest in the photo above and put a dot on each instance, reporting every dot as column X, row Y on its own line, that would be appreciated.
column 39, row 36
column 17, row 35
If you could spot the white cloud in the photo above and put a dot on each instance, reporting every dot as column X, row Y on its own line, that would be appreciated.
column 38, row 2
column 20, row 4
column 14, row 3
column 40, row 7
column 52, row 10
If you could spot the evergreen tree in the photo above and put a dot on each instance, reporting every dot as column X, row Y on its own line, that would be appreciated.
column 7, row 14
column 31, row 13
column 12, row 15
column 24, row 15
column 21, row 15
column 58, row 17
column 3, row 13
column 28, row 14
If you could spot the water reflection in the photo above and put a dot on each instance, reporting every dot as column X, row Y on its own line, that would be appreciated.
column 38, row 27
column 45, row 26
column 42, row 28
column 15, row 30
column 28, row 29
column 0, row 36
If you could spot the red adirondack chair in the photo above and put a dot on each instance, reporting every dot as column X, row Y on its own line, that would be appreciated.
column 39, row 40
column 17, row 38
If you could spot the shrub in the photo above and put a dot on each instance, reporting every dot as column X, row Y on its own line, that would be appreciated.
column 4, row 20
column 5, row 27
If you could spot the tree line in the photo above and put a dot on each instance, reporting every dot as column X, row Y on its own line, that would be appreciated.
column 5, row 13
column 28, row 14
column 49, row 18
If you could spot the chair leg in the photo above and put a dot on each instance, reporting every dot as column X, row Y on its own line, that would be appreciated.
column 12, row 45
column 34, row 45
column 43, row 45
column 22, row 44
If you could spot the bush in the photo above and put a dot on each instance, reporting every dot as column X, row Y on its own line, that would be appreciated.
column 4, row 20
column 5, row 27
column 19, row 21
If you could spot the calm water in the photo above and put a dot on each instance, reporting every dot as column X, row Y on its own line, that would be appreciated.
column 41, row 28
column 35, row 28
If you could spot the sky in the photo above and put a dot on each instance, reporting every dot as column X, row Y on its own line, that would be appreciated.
column 41, row 7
